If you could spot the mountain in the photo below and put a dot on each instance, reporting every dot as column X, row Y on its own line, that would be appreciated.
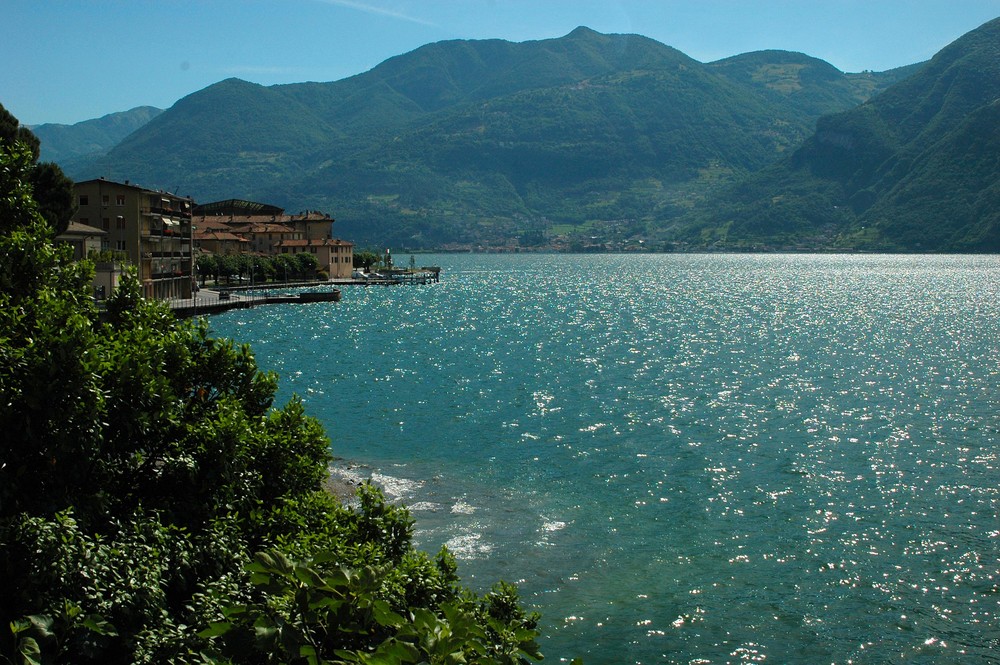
column 71, row 145
column 486, row 141
column 915, row 168
column 812, row 86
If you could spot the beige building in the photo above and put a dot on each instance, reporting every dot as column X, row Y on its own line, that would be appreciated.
column 267, row 230
column 335, row 257
column 221, row 243
column 151, row 228
column 263, row 234
column 311, row 225
column 84, row 239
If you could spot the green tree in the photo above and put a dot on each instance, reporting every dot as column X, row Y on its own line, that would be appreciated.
column 365, row 259
column 155, row 506
column 52, row 190
column 285, row 267
column 263, row 267
column 208, row 266
column 306, row 265
column 226, row 265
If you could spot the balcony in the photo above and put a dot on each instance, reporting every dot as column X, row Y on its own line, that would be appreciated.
column 171, row 212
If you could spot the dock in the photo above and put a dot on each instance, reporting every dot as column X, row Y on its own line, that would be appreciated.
column 424, row 275
column 222, row 299
column 210, row 301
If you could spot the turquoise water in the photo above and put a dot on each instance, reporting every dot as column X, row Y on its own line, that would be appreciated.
column 684, row 459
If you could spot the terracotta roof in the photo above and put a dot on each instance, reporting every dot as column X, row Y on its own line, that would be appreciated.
column 209, row 224
column 219, row 235
column 314, row 217
column 314, row 242
column 262, row 227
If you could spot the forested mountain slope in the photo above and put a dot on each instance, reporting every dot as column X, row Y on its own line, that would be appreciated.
column 87, row 140
column 489, row 141
column 914, row 169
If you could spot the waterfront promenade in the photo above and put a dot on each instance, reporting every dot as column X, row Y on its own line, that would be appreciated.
column 216, row 299
column 213, row 301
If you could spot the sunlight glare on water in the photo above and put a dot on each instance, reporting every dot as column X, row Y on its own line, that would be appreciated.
column 780, row 458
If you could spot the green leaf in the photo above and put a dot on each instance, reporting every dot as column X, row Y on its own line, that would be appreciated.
column 385, row 616
column 308, row 576
column 234, row 610
column 395, row 651
column 260, row 579
column 42, row 624
column 265, row 632
column 29, row 651
column 216, row 628
column 19, row 626
column 97, row 624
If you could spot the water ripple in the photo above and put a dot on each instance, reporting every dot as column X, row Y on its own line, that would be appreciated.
column 685, row 458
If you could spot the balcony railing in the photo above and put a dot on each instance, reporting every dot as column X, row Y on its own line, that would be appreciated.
column 183, row 231
column 170, row 212
column 177, row 274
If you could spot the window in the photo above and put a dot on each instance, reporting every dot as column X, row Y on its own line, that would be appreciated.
column 120, row 223
column 105, row 200
column 120, row 245
column 106, row 223
column 84, row 200
column 120, row 200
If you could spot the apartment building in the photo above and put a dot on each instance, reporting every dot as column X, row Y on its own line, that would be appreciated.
column 333, row 256
column 267, row 230
column 151, row 228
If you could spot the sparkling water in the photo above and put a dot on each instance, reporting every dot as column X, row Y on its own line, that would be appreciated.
column 683, row 458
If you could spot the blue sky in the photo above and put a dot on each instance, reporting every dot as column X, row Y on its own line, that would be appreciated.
column 72, row 60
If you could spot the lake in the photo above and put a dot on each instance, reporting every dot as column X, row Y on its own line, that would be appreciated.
column 683, row 458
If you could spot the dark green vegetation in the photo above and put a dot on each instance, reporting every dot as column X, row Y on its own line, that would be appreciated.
column 156, row 507
column 259, row 269
column 486, row 141
column 916, row 168
column 76, row 145
column 53, row 191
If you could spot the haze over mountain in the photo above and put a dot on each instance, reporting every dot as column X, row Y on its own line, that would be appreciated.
column 484, row 142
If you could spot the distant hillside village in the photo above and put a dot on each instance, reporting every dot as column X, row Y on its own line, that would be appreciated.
column 163, row 236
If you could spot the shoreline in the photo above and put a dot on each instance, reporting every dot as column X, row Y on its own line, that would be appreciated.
column 343, row 480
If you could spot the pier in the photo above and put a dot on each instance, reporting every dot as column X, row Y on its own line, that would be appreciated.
column 215, row 301
column 222, row 299
column 423, row 275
